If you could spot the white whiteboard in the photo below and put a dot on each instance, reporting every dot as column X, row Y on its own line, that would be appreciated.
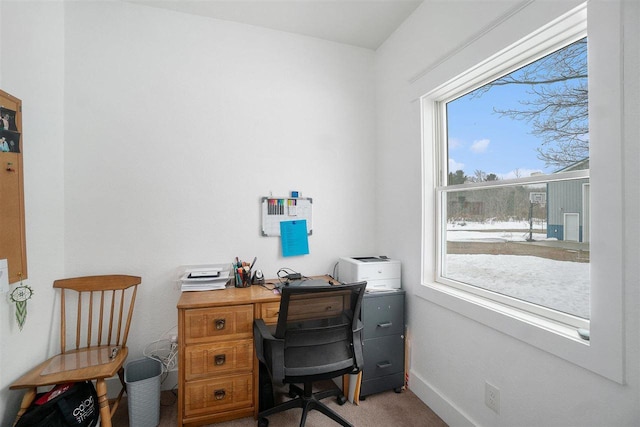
column 277, row 209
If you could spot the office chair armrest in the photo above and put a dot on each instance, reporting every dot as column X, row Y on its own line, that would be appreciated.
column 269, row 350
column 260, row 333
column 357, row 347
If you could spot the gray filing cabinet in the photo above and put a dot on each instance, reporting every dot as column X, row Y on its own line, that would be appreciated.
column 383, row 342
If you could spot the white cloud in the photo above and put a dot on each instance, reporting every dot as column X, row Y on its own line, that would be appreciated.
column 454, row 166
column 480, row 145
column 519, row 173
column 454, row 143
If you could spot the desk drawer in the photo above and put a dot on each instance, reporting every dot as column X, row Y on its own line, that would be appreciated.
column 269, row 312
column 318, row 306
column 315, row 307
column 209, row 324
column 220, row 358
column 218, row 395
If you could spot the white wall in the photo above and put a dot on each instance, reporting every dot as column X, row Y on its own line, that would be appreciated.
column 452, row 356
column 32, row 60
column 174, row 127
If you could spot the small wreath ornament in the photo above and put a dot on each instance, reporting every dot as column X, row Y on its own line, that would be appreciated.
column 20, row 296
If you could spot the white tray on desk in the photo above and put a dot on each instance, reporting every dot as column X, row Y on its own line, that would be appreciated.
column 222, row 276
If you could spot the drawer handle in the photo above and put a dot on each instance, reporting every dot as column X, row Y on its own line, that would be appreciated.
column 383, row 365
column 385, row 325
column 219, row 359
column 219, row 394
column 220, row 324
column 329, row 308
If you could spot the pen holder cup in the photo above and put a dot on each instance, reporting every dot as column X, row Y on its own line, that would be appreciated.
column 243, row 279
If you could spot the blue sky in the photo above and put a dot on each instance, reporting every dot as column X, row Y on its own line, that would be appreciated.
column 480, row 139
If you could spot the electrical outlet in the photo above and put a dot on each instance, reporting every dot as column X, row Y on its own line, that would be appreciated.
column 492, row 397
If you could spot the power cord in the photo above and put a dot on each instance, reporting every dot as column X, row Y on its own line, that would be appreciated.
column 286, row 274
column 336, row 270
column 270, row 286
column 164, row 351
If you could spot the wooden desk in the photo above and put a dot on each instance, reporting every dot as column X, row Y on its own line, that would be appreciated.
column 217, row 370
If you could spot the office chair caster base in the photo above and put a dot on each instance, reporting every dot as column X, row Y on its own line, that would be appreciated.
column 341, row 399
column 263, row 422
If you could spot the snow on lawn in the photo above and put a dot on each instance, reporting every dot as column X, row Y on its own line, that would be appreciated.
column 499, row 236
column 493, row 231
column 559, row 285
column 491, row 225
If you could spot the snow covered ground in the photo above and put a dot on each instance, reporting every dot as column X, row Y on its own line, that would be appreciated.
column 493, row 231
column 492, row 225
column 498, row 236
column 560, row 285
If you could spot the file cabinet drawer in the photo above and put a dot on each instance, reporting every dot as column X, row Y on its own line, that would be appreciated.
column 218, row 395
column 383, row 315
column 378, row 384
column 218, row 323
column 383, row 356
column 220, row 358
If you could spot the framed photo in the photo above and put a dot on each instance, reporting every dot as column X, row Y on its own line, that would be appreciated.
column 9, row 141
column 8, row 119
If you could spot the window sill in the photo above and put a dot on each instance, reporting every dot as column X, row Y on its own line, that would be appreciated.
column 496, row 315
column 560, row 340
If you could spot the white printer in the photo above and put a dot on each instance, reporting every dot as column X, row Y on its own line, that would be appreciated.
column 379, row 272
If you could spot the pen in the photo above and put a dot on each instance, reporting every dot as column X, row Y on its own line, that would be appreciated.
column 253, row 263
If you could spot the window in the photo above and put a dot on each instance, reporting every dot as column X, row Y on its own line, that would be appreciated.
column 601, row 179
column 514, row 200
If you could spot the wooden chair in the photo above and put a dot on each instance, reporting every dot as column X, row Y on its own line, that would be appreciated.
column 100, row 347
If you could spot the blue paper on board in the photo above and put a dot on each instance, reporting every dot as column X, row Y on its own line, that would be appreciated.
column 295, row 240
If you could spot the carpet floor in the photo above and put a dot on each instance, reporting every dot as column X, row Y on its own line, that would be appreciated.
column 382, row 409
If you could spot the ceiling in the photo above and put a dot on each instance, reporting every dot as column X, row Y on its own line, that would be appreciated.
column 363, row 23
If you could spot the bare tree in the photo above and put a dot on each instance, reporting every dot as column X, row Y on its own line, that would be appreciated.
column 558, row 107
column 479, row 176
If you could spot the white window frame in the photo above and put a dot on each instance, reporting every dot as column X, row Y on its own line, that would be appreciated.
column 573, row 323
column 603, row 354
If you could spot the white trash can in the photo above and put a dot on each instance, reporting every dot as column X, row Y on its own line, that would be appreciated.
column 142, row 378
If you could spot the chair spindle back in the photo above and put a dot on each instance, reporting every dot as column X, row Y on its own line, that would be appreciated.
column 102, row 302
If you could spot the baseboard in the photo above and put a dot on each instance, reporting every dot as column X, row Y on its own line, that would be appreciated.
column 169, row 382
column 439, row 403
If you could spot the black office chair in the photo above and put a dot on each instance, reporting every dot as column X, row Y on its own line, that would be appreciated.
column 317, row 337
